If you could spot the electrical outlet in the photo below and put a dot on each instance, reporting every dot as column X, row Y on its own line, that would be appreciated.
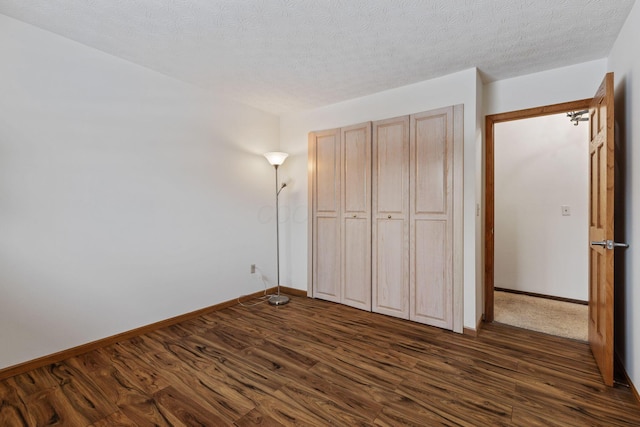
column 566, row 210
column 253, row 269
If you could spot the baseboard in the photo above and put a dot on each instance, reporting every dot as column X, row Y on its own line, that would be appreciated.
column 470, row 331
column 551, row 297
column 85, row 348
column 632, row 387
column 473, row 332
column 291, row 291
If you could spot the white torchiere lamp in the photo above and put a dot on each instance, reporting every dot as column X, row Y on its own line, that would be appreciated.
column 276, row 158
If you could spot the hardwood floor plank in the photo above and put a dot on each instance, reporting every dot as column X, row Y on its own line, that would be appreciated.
column 456, row 405
column 292, row 413
column 255, row 418
column 540, row 395
column 33, row 381
column 181, row 410
column 317, row 363
column 330, row 409
column 71, row 403
column 419, row 417
column 117, row 419
column 13, row 411
column 354, row 382
column 334, row 398
column 136, row 370
column 217, row 394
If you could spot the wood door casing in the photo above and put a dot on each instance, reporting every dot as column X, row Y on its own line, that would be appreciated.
column 356, row 216
column 326, row 257
column 390, row 212
column 431, row 217
column 601, row 227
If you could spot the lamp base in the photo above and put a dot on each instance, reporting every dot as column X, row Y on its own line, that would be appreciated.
column 278, row 299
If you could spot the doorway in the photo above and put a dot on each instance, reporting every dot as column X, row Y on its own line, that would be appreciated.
column 490, row 187
column 541, row 201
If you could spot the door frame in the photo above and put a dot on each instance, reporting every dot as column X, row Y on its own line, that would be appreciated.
column 489, row 189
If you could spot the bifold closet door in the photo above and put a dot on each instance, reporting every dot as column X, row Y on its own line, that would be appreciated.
column 431, row 217
column 356, row 216
column 326, row 255
column 390, row 230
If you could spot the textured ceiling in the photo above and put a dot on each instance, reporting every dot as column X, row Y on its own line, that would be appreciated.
column 289, row 55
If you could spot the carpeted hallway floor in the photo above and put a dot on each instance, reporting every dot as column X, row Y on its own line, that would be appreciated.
column 559, row 318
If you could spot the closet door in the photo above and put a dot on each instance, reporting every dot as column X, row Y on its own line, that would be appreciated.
column 326, row 214
column 390, row 231
column 356, row 216
column 431, row 218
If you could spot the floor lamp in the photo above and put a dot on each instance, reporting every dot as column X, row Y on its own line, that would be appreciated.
column 277, row 158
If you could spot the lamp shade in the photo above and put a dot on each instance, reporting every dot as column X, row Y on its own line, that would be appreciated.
column 276, row 158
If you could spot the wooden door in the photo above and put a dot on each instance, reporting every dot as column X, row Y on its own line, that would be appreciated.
column 326, row 256
column 390, row 230
column 431, row 217
column 356, row 216
column 601, row 153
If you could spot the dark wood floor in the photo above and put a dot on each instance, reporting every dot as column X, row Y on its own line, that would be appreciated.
column 317, row 363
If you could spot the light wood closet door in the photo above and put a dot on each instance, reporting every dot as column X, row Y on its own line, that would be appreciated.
column 390, row 231
column 326, row 256
column 356, row 216
column 431, row 217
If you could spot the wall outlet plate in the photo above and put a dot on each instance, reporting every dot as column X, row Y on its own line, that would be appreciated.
column 566, row 210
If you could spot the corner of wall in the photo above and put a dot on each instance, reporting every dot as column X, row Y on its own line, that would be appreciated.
column 479, row 209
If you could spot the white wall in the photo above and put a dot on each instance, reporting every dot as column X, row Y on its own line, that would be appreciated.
column 549, row 87
column 624, row 61
column 458, row 88
column 126, row 197
column 541, row 164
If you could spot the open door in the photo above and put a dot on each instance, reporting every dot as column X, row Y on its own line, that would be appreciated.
column 601, row 215
column 601, row 187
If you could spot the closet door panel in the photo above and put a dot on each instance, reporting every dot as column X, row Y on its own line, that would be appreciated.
column 391, row 168
column 431, row 166
column 327, row 174
column 357, row 169
column 431, row 218
column 356, row 216
column 431, row 302
column 390, row 232
column 391, row 270
column 326, row 215
column 328, row 259
column 356, row 289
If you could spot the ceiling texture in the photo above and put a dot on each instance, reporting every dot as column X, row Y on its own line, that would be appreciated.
column 290, row 55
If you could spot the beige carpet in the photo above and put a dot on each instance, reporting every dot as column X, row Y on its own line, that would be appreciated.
column 559, row 318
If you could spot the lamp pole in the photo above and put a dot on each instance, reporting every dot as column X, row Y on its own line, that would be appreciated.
column 276, row 159
column 277, row 231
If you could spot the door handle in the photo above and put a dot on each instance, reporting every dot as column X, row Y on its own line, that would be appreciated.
column 610, row 244
column 620, row 245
